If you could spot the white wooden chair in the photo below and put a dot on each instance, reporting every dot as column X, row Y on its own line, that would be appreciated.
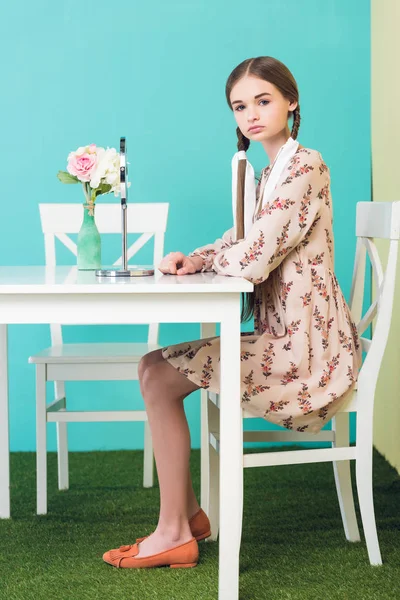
column 374, row 220
column 90, row 361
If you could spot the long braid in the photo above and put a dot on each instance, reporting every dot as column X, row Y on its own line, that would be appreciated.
column 243, row 141
column 296, row 122
column 243, row 144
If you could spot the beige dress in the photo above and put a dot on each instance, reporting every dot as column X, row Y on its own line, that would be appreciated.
column 304, row 353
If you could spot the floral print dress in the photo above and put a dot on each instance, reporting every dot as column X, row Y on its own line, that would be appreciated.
column 304, row 354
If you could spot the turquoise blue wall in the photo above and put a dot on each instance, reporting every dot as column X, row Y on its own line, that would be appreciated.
column 82, row 72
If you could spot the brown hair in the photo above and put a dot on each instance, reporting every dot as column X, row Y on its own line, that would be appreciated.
column 272, row 70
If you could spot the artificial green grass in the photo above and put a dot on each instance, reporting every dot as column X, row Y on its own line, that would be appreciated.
column 293, row 544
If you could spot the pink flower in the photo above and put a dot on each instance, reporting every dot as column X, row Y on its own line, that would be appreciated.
column 82, row 162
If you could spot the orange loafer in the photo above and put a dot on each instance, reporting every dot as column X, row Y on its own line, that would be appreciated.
column 199, row 526
column 182, row 556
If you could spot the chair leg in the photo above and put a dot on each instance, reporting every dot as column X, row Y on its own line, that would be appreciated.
column 62, row 438
column 148, row 460
column 41, row 440
column 341, row 469
column 206, row 330
column 365, row 486
column 62, row 455
column 212, row 505
column 204, row 452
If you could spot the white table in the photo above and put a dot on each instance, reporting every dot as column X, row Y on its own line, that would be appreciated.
column 65, row 295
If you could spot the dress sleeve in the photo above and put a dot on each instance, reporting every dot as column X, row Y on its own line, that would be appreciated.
column 282, row 223
column 209, row 251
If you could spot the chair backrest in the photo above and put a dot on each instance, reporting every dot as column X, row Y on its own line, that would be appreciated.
column 374, row 220
column 149, row 219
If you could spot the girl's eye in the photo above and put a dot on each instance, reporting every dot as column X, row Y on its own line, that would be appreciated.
column 240, row 105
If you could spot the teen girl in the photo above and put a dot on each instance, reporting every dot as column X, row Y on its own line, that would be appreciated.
column 304, row 354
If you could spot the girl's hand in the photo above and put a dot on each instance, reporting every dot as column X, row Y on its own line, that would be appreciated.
column 176, row 263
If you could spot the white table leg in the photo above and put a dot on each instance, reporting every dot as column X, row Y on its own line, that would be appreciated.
column 4, row 428
column 231, row 452
column 206, row 330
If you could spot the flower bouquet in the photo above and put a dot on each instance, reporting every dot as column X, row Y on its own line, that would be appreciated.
column 97, row 169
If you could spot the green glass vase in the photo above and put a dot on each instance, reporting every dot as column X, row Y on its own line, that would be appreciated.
column 89, row 242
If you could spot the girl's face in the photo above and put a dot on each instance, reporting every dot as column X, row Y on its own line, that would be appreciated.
column 257, row 102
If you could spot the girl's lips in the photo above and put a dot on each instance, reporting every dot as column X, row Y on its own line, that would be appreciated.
column 256, row 128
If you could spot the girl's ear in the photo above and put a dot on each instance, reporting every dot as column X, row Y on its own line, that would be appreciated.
column 293, row 105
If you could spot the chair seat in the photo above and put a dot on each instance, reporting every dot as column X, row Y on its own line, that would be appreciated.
column 109, row 352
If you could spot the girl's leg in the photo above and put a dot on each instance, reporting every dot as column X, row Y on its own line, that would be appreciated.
column 152, row 358
column 164, row 389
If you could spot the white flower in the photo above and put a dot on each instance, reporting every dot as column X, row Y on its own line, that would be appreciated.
column 107, row 168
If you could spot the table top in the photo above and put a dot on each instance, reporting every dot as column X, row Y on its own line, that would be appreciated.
column 67, row 279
